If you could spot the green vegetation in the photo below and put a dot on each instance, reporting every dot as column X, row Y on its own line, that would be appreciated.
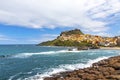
column 74, row 38
column 67, row 43
column 57, row 42
column 71, row 43
column 47, row 43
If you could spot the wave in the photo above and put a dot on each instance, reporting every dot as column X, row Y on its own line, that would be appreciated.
column 63, row 68
column 26, row 55
column 11, row 77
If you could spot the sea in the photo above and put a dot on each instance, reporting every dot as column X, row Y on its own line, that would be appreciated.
column 31, row 62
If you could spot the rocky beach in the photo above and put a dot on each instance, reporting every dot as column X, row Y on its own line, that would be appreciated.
column 107, row 69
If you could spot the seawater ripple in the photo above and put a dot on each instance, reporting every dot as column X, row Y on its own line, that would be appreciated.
column 36, row 62
column 62, row 68
column 26, row 55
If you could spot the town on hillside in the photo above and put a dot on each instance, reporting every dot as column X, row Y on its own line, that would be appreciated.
column 77, row 36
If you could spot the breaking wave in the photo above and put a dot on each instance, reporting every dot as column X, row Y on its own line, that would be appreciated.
column 26, row 55
column 63, row 68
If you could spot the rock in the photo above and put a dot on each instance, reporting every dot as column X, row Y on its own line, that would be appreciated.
column 70, row 49
column 82, row 48
column 108, row 69
column 2, row 56
column 50, row 78
column 116, row 77
column 116, row 66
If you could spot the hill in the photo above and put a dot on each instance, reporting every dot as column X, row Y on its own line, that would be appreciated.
column 77, row 38
column 59, row 41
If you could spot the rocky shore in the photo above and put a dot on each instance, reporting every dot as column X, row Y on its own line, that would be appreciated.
column 107, row 69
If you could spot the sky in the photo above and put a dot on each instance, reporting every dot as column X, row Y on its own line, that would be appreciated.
column 35, row 21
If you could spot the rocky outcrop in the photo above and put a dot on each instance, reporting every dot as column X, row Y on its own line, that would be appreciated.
column 75, row 31
column 108, row 69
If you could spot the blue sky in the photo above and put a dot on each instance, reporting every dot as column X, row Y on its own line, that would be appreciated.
column 34, row 21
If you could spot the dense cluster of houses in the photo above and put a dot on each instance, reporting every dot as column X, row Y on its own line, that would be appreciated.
column 96, row 40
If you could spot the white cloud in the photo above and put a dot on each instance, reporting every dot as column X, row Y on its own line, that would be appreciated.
column 56, row 13
column 106, row 9
column 50, row 35
column 44, row 37
column 5, row 38
column 103, row 34
column 39, row 40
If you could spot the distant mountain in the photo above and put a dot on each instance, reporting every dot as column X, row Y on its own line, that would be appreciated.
column 77, row 38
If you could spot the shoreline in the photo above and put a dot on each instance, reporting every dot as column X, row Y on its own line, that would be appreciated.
column 72, row 47
column 110, row 48
column 107, row 69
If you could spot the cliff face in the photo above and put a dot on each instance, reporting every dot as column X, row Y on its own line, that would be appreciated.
column 78, row 38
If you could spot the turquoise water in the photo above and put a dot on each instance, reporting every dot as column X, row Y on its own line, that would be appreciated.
column 30, row 62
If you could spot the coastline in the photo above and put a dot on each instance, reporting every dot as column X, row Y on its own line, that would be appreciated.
column 107, row 69
column 110, row 48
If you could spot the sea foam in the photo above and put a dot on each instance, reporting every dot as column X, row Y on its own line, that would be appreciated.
column 63, row 68
column 26, row 55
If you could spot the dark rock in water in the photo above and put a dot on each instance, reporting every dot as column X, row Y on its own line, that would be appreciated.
column 2, row 56
column 108, row 69
column 87, row 48
column 82, row 48
column 94, row 47
column 70, row 49
column 79, row 48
